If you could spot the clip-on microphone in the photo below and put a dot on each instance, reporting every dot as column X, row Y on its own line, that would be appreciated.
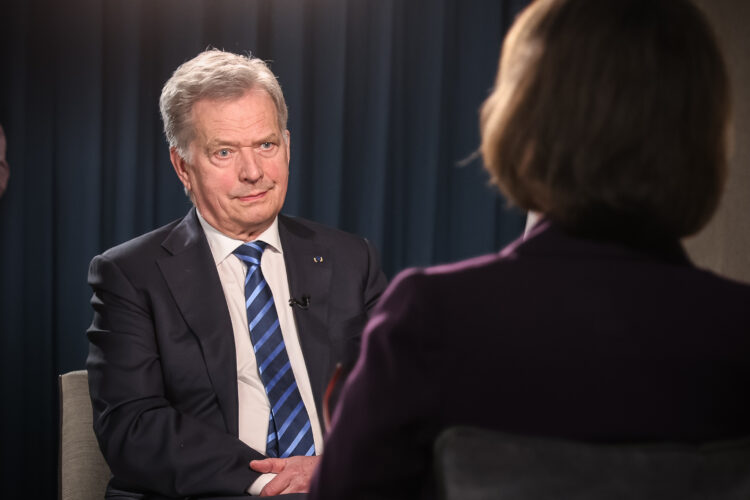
column 302, row 304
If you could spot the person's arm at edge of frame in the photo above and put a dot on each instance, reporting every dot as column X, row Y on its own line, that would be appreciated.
column 382, row 431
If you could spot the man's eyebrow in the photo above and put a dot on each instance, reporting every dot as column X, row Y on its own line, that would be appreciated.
column 272, row 137
column 221, row 142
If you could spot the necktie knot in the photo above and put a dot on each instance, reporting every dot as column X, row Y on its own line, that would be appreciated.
column 251, row 252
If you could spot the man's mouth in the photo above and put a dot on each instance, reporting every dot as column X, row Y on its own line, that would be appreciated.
column 252, row 196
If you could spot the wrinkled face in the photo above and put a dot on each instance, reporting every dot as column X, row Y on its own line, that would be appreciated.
column 239, row 164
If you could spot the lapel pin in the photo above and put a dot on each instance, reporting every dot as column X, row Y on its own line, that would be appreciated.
column 318, row 259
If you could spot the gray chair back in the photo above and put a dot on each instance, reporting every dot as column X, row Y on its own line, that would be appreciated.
column 474, row 464
column 83, row 473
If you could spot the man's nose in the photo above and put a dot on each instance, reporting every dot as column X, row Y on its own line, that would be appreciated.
column 250, row 170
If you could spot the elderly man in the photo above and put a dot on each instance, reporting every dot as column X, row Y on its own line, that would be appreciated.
column 214, row 336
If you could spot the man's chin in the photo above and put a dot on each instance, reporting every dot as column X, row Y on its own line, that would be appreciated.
column 256, row 224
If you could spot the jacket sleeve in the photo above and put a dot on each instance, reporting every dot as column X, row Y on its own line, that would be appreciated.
column 380, row 441
column 149, row 444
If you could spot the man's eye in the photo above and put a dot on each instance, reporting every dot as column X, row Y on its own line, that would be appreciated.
column 223, row 153
column 266, row 145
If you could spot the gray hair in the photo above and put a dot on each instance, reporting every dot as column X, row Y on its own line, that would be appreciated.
column 213, row 74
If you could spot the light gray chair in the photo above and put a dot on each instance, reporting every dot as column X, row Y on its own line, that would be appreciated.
column 477, row 464
column 83, row 473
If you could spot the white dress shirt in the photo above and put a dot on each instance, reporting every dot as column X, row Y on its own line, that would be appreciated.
column 254, row 408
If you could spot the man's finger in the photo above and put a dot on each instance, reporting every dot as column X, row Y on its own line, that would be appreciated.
column 268, row 465
column 276, row 486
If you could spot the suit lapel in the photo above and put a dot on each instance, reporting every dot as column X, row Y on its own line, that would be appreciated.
column 308, row 267
column 194, row 282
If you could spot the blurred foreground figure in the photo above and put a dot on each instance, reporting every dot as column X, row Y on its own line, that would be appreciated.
column 4, row 167
column 610, row 119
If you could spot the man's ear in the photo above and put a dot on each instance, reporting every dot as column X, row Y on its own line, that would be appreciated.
column 181, row 168
column 287, row 138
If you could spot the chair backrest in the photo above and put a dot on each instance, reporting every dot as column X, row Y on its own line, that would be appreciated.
column 83, row 473
column 473, row 464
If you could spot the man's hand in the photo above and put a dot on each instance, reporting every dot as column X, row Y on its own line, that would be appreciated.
column 293, row 474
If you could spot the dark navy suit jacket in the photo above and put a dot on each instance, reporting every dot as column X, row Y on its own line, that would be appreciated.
column 162, row 367
column 555, row 336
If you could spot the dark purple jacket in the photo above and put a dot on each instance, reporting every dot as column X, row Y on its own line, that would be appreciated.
column 554, row 336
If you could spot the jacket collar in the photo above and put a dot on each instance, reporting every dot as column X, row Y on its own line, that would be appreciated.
column 548, row 238
column 309, row 266
column 190, row 273
column 192, row 278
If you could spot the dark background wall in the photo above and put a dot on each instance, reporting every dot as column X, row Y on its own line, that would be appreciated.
column 383, row 98
column 724, row 245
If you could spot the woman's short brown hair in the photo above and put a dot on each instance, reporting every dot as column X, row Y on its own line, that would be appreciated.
column 610, row 116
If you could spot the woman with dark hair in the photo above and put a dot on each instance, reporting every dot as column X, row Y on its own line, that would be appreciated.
column 611, row 120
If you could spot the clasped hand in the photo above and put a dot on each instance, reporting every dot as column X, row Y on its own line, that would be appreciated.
column 293, row 474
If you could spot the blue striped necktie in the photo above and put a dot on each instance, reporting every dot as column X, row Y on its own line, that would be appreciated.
column 289, row 432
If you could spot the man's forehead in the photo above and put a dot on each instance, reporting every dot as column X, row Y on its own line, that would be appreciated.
column 254, row 113
column 261, row 99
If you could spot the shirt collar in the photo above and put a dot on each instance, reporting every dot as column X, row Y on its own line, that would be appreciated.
column 222, row 245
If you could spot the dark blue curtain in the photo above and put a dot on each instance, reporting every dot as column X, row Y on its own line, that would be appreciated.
column 383, row 98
